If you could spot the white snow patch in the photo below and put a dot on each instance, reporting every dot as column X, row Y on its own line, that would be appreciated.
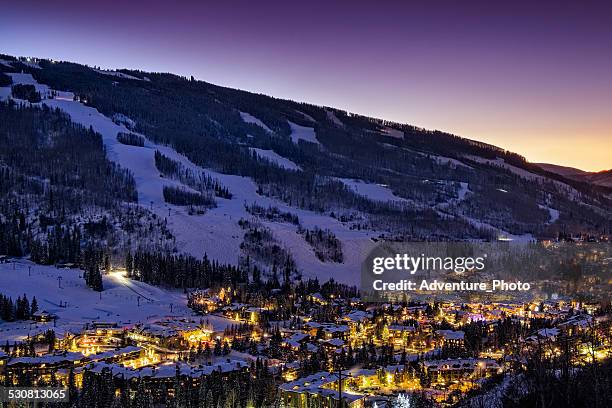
column 5, row 93
column 28, row 79
column 372, row 191
column 499, row 162
column 276, row 158
column 449, row 161
column 302, row 133
column 248, row 118
column 117, row 74
column 332, row 116
column 463, row 190
column 553, row 214
column 355, row 246
column 395, row 133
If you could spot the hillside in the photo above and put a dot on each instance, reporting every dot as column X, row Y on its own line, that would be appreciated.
column 247, row 178
column 601, row 178
column 562, row 170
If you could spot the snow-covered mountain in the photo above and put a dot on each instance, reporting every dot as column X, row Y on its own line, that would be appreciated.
column 239, row 176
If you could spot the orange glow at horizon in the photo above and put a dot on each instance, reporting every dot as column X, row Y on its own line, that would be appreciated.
column 587, row 149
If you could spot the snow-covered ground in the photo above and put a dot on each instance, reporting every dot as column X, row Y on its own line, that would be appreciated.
column 499, row 162
column 80, row 305
column 373, row 191
column 449, row 161
column 276, row 158
column 248, row 118
column 332, row 116
column 27, row 79
column 217, row 232
column 397, row 134
column 302, row 133
column 117, row 74
column 553, row 214
column 463, row 190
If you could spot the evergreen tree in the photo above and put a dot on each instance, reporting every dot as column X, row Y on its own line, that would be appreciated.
column 33, row 306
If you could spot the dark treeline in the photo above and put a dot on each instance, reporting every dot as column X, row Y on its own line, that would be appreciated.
column 5, row 80
column 51, row 171
column 26, row 92
column 559, row 382
column 181, row 196
column 260, row 245
column 20, row 309
column 59, row 244
column 326, row 245
column 131, row 139
column 271, row 213
column 166, row 165
column 44, row 152
column 14, row 232
column 181, row 271
column 93, row 261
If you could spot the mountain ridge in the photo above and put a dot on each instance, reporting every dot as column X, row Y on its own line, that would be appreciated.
column 275, row 172
column 602, row 178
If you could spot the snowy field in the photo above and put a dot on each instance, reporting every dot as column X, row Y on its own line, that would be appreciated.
column 248, row 118
column 302, row 133
column 117, row 74
column 552, row 213
column 276, row 158
column 119, row 302
column 373, row 191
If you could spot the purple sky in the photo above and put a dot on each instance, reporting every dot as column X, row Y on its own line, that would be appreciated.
column 533, row 78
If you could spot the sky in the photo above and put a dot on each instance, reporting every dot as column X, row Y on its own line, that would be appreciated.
column 533, row 77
